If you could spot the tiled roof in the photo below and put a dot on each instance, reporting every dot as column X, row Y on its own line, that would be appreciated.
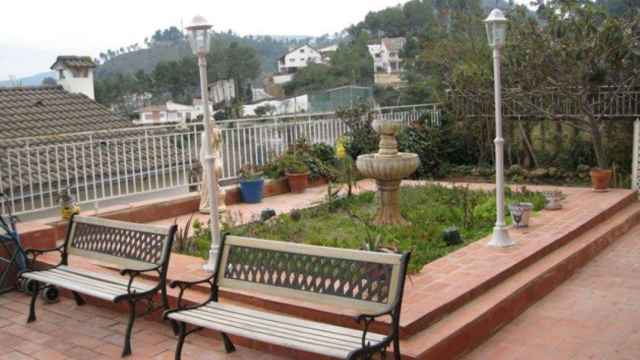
column 50, row 138
column 75, row 61
column 51, row 111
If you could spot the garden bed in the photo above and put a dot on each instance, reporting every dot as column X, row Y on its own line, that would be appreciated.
column 346, row 222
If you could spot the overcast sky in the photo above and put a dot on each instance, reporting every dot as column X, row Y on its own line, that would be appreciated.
column 34, row 32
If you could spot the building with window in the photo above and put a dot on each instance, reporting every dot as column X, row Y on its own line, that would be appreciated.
column 298, row 58
column 75, row 74
column 172, row 112
column 386, row 55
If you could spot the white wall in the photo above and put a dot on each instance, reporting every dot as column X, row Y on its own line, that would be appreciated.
column 300, row 58
column 282, row 79
column 77, row 85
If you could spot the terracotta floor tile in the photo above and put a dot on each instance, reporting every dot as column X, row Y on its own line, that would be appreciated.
column 594, row 315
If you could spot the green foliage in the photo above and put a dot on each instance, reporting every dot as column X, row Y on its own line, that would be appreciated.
column 346, row 223
column 179, row 80
column 361, row 138
column 351, row 64
column 251, row 172
column 265, row 110
column 318, row 159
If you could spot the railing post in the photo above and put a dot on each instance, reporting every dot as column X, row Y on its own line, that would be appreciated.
column 635, row 175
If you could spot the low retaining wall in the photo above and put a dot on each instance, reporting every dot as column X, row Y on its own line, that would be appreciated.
column 46, row 235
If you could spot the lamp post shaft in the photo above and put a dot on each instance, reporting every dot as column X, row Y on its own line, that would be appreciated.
column 500, row 235
column 214, row 223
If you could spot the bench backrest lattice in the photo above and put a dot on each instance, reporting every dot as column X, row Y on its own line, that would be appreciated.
column 359, row 280
column 125, row 245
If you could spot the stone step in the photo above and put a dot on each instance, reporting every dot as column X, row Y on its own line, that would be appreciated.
column 426, row 305
column 462, row 330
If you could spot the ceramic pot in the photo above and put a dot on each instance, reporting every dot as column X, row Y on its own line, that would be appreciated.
column 298, row 182
column 252, row 190
column 600, row 179
column 554, row 200
column 520, row 214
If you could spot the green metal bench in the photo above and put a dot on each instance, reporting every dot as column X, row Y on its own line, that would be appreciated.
column 369, row 283
column 134, row 248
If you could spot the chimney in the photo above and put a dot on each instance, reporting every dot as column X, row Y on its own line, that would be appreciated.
column 75, row 74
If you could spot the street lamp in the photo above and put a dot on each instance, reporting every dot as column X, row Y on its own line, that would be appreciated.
column 496, row 25
column 199, row 40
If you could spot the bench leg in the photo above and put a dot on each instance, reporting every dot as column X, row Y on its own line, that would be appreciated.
column 182, row 334
column 175, row 327
column 228, row 345
column 396, row 347
column 78, row 298
column 126, row 351
column 32, row 306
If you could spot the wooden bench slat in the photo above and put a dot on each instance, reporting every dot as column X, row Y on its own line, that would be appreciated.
column 300, row 333
column 291, row 322
column 268, row 336
column 99, row 285
column 299, row 336
column 104, row 280
column 73, row 286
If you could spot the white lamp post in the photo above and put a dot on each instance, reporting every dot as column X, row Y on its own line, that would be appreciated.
column 199, row 39
column 496, row 25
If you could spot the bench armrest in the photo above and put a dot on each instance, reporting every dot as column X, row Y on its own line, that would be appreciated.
column 32, row 255
column 134, row 273
column 184, row 285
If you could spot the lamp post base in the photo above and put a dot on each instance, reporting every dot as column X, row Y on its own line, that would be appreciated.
column 211, row 266
column 501, row 238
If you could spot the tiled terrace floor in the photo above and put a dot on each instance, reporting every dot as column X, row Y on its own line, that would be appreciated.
column 64, row 331
column 594, row 315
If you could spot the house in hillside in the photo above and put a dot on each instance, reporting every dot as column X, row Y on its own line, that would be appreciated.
column 171, row 113
column 292, row 105
column 296, row 59
column 386, row 61
column 327, row 52
column 386, row 55
column 75, row 74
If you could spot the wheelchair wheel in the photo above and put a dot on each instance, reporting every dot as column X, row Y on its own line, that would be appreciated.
column 50, row 294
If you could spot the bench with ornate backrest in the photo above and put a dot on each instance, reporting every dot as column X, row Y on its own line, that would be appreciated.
column 369, row 283
column 135, row 249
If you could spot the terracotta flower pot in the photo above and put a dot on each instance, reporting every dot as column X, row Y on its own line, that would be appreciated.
column 298, row 182
column 600, row 179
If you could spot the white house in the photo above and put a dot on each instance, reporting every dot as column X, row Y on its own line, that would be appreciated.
column 292, row 105
column 298, row 58
column 171, row 112
column 75, row 74
column 386, row 55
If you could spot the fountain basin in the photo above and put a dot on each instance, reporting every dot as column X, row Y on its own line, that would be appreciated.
column 388, row 168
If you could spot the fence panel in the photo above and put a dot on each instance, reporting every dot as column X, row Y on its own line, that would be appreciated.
column 152, row 159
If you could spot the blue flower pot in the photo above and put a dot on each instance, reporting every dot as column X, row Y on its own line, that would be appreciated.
column 252, row 190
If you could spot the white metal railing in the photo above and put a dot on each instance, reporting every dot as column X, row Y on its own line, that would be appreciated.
column 100, row 166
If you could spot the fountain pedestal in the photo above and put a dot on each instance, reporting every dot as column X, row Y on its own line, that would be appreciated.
column 388, row 167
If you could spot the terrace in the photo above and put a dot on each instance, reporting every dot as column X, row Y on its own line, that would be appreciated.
column 474, row 290
column 568, row 274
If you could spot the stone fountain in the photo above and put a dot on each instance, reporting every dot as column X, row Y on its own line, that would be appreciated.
column 388, row 167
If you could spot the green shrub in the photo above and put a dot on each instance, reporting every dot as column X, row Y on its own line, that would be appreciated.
column 346, row 222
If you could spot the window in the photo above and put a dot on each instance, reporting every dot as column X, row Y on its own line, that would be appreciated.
column 302, row 51
column 61, row 74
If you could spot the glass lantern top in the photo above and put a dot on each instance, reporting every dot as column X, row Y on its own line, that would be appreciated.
column 496, row 25
column 199, row 35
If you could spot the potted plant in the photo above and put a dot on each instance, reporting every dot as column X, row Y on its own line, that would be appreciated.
column 297, row 173
column 520, row 213
column 251, row 184
column 554, row 199
column 600, row 179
